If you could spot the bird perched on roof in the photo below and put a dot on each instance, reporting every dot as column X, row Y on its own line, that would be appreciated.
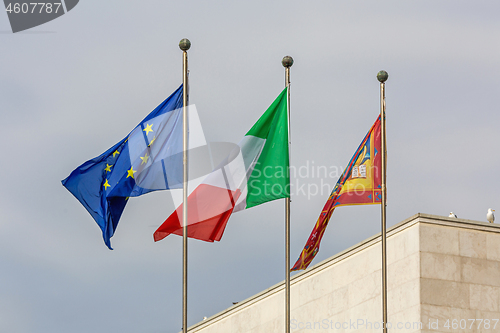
column 452, row 215
column 490, row 216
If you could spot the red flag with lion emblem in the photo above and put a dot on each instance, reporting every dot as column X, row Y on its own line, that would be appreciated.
column 359, row 184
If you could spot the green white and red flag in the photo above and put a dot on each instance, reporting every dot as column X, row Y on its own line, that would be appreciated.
column 257, row 171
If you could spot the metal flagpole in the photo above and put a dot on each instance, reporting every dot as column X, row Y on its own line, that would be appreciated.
column 382, row 77
column 287, row 62
column 184, row 45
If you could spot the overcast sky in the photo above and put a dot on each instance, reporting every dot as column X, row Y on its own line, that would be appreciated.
column 73, row 87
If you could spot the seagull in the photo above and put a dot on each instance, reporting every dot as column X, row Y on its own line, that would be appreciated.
column 490, row 217
column 452, row 215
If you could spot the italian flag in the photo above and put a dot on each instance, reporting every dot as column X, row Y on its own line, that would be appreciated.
column 254, row 173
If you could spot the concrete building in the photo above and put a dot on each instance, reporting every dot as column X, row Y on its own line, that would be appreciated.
column 443, row 276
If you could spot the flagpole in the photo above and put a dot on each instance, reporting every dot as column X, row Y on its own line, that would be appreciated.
column 184, row 45
column 287, row 62
column 382, row 76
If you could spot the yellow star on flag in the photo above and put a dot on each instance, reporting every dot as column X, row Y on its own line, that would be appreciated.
column 116, row 152
column 144, row 159
column 108, row 167
column 152, row 141
column 106, row 185
column 131, row 172
column 148, row 129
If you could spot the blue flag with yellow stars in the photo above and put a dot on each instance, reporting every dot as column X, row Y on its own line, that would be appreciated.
column 146, row 160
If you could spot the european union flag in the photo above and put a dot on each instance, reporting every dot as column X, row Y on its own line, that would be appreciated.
column 146, row 160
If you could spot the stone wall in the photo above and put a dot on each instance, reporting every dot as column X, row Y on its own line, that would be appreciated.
column 460, row 276
column 438, row 269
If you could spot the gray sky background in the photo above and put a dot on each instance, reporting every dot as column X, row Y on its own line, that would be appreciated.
column 73, row 87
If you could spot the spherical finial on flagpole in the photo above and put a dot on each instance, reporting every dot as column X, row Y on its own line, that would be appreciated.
column 287, row 61
column 184, row 44
column 382, row 76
